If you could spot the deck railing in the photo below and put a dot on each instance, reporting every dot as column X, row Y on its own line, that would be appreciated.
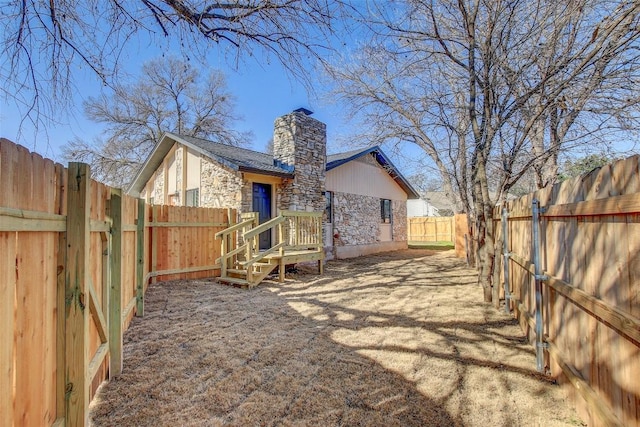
column 302, row 230
column 240, row 242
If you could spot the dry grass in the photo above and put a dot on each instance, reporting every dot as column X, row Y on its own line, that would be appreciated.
column 393, row 339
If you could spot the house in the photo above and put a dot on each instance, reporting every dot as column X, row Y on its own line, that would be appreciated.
column 362, row 194
column 421, row 207
column 440, row 201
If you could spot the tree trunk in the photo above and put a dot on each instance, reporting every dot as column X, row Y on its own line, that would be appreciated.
column 484, row 227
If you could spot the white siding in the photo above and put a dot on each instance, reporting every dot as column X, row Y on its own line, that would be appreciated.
column 193, row 170
column 172, row 178
column 364, row 178
column 420, row 207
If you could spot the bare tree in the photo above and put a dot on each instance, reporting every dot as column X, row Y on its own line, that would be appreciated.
column 170, row 95
column 46, row 42
column 478, row 85
column 599, row 100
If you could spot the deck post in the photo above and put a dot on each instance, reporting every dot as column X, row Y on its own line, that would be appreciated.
column 223, row 253
column 281, row 251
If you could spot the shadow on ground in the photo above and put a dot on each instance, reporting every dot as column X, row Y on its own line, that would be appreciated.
column 393, row 339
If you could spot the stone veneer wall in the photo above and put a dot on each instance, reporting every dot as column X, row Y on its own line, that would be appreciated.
column 219, row 186
column 158, row 187
column 247, row 197
column 399, row 220
column 300, row 143
column 356, row 219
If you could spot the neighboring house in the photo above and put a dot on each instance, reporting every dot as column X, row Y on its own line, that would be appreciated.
column 421, row 207
column 362, row 194
column 441, row 201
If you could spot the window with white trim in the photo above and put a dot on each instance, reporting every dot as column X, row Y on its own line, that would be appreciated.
column 385, row 211
column 192, row 197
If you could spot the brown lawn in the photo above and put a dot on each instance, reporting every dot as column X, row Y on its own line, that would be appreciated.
column 396, row 339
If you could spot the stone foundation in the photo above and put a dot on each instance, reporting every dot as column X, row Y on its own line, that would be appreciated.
column 352, row 251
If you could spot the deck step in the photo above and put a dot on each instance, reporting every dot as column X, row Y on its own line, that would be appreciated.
column 263, row 264
column 236, row 271
column 241, row 282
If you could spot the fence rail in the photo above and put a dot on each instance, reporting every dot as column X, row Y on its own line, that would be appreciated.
column 76, row 260
column 577, row 298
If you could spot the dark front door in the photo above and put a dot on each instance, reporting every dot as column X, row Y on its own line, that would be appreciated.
column 262, row 205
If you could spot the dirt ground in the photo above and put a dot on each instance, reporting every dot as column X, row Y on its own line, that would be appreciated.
column 395, row 339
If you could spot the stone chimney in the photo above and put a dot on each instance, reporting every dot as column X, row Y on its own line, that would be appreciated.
column 300, row 146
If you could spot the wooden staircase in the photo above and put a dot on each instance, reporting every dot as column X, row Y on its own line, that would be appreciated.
column 298, row 237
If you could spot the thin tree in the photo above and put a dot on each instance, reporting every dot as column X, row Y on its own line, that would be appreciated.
column 170, row 96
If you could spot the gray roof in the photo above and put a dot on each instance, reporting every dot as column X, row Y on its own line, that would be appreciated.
column 335, row 160
column 238, row 158
column 235, row 158
column 439, row 199
column 244, row 160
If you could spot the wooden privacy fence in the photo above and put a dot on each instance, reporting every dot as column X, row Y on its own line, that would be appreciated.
column 182, row 243
column 431, row 229
column 74, row 264
column 571, row 274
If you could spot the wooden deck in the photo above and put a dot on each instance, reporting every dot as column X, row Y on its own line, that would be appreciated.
column 299, row 239
column 294, row 257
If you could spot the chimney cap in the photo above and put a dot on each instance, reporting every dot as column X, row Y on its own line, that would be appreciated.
column 303, row 111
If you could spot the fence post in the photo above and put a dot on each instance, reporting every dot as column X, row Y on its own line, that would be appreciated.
column 61, row 289
column 539, row 278
column 140, row 259
column 76, row 295
column 505, row 262
column 115, row 295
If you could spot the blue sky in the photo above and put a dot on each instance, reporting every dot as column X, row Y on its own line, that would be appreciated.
column 262, row 93
column 262, row 88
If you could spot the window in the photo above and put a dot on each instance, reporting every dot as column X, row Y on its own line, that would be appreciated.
column 328, row 198
column 151, row 199
column 192, row 197
column 385, row 211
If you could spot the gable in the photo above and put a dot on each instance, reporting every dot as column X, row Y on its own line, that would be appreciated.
column 365, row 177
column 235, row 158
